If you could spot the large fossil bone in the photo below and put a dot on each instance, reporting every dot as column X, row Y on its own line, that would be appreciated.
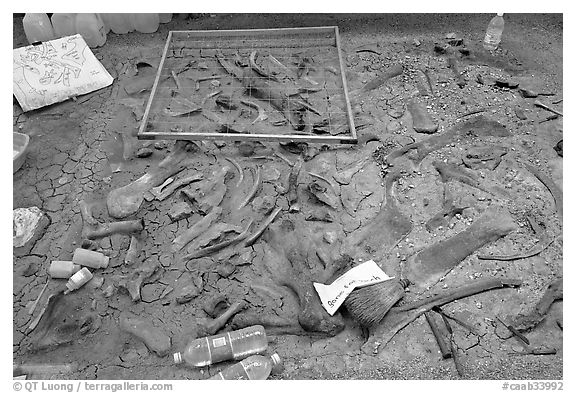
column 126, row 200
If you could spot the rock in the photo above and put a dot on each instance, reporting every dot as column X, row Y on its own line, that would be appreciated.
column 324, row 194
column 330, row 237
column 520, row 114
column 144, row 152
column 422, row 122
column 320, row 215
column 440, row 49
column 187, row 293
column 179, row 211
column 264, row 204
column 25, row 223
column 152, row 292
column 484, row 157
column 506, row 83
column 527, row 93
column 396, row 112
column 154, row 338
column 160, row 145
column 393, row 126
column 559, row 148
column 225, row 269
column 109, row 291
column 270, row 173
column 246, row 149
column 30, row 270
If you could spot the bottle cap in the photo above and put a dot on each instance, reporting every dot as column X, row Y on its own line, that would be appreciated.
column 275, row 358
column 177, row 358
column 277, row 365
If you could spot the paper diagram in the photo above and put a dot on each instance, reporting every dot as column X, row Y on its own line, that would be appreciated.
column 56, row 70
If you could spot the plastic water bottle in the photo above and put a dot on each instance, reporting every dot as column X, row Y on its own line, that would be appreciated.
column 255, row 367
column 165, row 18
column 145, row 23
column 64, row 24
column 119, row 23
column 494, row 32
column 91, row 28
column 234, row 345
column 38, row 28
column 106, row 24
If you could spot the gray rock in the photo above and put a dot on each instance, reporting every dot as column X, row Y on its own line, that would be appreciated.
column 144, row 152
column 264, row 204
column 179, row 211
column 393, row 126
column 187, row 293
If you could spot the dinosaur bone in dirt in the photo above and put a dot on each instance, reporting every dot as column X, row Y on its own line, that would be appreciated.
column 125, row 201
column 429, row 265
column 92, row 229
column 294, row 263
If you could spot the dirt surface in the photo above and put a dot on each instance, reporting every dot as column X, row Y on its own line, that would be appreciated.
column 83, row 150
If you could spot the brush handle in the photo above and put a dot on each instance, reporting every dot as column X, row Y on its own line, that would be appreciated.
column 444, row 349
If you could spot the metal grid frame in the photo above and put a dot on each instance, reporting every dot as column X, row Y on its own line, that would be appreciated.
column 313, row 38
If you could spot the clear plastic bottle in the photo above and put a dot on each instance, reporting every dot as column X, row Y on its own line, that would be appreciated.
column 145, row 23
column 91, row 28
column 165, row 18
column 106, row 24
column 64, row 24
column 494, row 32
column 119, row 23
column 234, row 345
column 38, row 28
column 255, row 367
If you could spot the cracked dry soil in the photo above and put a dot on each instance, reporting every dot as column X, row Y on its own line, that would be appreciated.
column 81, row 150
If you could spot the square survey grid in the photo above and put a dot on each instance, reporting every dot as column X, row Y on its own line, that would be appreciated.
column 262, row 84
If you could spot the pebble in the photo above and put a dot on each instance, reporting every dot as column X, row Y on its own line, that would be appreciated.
column 330, row 237
column 144, row 152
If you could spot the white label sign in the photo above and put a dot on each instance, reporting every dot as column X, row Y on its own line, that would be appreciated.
column 333, row 295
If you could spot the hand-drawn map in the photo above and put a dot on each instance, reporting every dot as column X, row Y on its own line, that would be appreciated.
column 56, row 70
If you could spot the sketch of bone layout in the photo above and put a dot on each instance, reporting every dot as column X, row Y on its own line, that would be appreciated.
column 56, row 70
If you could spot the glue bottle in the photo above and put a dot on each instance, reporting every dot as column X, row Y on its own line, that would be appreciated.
column 235, row 345
column 78, row 280
column 255, row 367
column 38, row 28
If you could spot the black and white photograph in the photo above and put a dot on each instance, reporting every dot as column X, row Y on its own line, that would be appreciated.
column 288, row 196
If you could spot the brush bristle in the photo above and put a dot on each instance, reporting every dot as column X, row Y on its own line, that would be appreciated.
column 370, row 304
